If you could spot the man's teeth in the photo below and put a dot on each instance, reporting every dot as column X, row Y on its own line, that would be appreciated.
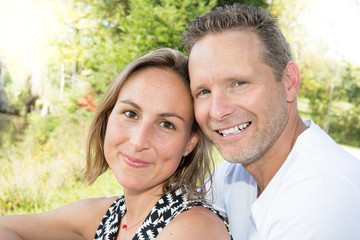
column 233, row 130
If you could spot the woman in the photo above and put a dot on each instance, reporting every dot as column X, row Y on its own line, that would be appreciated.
column 144, row 131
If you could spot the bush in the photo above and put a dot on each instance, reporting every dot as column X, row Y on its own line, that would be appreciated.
column 345, row 128
column 44, row 171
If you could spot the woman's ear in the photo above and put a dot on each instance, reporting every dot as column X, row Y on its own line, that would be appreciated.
column 194, row 138
column 291, row 80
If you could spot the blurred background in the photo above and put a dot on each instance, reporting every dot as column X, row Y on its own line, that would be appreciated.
column 57, row 57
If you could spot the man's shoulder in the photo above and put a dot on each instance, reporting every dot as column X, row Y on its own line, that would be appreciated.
column 231, row 169
column 231, row 173
column 316, row 146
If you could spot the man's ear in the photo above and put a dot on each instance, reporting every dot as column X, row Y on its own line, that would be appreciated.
column 194, row 138
column 291, row 80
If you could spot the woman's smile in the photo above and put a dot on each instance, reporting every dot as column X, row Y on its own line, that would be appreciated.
column 134, row 162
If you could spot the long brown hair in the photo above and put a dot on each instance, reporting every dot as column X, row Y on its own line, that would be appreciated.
column 193, row 169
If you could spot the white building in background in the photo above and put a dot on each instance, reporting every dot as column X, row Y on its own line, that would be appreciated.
column 3, row 100
column 2, row 72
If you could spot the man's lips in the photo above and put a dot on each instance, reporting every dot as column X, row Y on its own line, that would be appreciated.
column 234, row 130
column 134, row 162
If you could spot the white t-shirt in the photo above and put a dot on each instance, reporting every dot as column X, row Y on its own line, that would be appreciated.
column 314, row 195
column 234, row 191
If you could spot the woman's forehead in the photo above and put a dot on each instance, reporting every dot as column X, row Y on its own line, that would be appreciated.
column 156, row 86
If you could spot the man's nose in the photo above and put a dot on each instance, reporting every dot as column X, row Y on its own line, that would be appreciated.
column 221, row 106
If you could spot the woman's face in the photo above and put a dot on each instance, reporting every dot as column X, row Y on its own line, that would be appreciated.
column 149, row 129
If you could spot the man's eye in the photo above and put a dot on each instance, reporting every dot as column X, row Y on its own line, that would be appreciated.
column 203, row 92
column 239, row 83
column 167, row 124
column 131, row 114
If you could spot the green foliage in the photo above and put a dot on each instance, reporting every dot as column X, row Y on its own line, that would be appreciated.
column 341, row 131
column 147, row 25
column 258, row 3
column 101, row 37
column 11, row 127
column 349, row 89
column 328, row 84
column 18, row 95
column 315, row 87
column 343, row 112
column 44, row 171
column 318, row 103
column 41, row 128
column 7, row 80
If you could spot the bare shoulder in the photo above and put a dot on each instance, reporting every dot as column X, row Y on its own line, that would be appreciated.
column 96, row 204
column 83, row 208
column 76, row 220
column 84, row 215
column 196, row 223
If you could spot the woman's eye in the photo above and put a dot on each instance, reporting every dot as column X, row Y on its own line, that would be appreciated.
column 167, row 124
column 131, row 114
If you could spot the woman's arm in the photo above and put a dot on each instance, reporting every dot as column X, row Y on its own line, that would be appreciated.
column 196, row 223
column 77, row 220
column 7, row 234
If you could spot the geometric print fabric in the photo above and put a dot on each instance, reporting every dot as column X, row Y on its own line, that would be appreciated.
column 167, row 208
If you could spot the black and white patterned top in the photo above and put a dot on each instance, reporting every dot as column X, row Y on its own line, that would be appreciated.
column 167, row 208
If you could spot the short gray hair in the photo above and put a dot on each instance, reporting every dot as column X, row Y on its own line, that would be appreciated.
column 275, row 49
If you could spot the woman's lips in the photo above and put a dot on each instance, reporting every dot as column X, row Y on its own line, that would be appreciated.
column 133, row 162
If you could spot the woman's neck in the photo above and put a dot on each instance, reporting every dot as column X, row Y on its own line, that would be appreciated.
column 140, row 203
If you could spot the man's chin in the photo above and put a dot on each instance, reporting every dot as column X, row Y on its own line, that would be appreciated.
column 235, row 156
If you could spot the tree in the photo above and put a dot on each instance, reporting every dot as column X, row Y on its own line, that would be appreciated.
column 257, row 3
column 109, row 39
column 349, row 90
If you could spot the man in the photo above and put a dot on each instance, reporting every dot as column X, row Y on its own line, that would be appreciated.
column 285, row 178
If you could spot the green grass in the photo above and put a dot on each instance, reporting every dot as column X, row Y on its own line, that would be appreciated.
column 45, row 170
column 337, row 108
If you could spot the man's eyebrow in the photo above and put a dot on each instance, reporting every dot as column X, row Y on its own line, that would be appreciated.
column 232, row 77
column 131, row 103
column 196, row 88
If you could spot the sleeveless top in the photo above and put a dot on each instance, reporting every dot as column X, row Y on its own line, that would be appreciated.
column 167, row 208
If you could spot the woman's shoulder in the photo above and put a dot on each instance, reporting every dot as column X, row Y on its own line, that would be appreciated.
column 85, row 212
column 83, row 216
column 198, row 222
column 86, row 206
column 101, row 202
column 76, row 220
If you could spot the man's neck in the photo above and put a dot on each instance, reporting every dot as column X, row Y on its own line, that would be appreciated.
column 265, row 168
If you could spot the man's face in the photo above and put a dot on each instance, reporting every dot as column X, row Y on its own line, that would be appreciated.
column 239, row 104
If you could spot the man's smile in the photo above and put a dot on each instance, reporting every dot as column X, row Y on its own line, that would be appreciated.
column 234, row 130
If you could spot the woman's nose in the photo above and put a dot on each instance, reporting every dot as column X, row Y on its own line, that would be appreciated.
column 140, row 137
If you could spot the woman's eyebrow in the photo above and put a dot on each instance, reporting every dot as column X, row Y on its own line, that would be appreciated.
column 171, row 115
column 129, row 102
